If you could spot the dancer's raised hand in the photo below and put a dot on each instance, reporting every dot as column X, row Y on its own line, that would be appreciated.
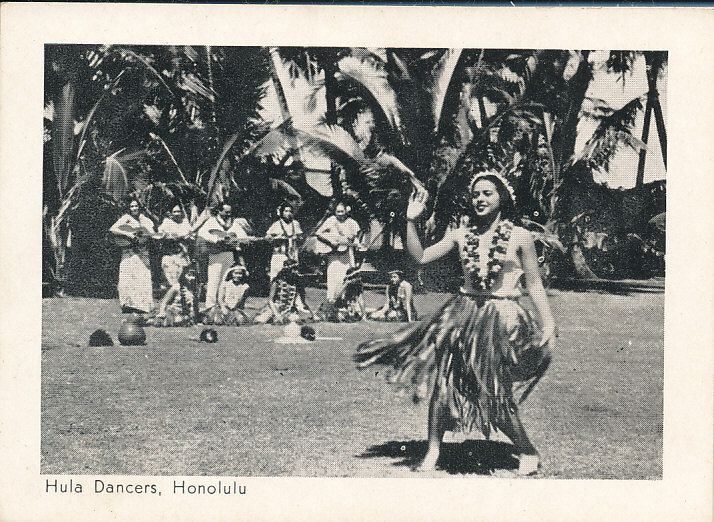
column 417, row 203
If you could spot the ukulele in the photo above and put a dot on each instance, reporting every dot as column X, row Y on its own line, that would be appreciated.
column 337, row 246
column 229, row 240
column 141, row 235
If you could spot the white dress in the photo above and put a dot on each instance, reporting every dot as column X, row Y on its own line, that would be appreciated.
column 135, row 287
column 339, row 262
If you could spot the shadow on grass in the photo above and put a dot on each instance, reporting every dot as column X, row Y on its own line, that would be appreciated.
column 471, row 456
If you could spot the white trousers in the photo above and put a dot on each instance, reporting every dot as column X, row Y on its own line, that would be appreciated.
column 218, row 264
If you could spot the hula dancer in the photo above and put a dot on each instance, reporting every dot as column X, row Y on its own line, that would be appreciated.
column 285, row 233
column 349, row 305
column 399, row 305
column 179, row 307
column 286, row 301
column 481, row 342
column 232, row 295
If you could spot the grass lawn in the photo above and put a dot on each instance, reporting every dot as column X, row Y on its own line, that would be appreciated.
column 247, row 406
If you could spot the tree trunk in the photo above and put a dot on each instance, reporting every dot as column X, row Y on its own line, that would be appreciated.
column 580, row 264
column 214, row 117
column 565, row 150
column 275, row 62
column 482, row 112
column 579, row 84
column 63, row 136
column 661, row 130
column 645, row 136
column 330, row 68
column 655, row 62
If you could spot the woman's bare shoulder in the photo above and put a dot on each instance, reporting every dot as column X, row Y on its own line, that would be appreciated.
column 521, row 236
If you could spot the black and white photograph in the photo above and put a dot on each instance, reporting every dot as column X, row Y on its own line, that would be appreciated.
column 403, row 262
column 228, row 228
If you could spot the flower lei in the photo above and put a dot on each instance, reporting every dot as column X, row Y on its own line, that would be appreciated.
column 496, row 254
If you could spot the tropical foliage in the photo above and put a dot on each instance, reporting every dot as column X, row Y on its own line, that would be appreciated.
column 167, row 123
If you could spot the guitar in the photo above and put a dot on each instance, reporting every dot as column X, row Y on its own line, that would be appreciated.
column 141, row 235
column 337, row 246
column 229, row 240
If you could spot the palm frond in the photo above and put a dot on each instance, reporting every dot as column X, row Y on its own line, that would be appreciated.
column 145, row 61
column 170, row 155
column 333, row 141
column 659, row 221
column 116, row 179
column 375, row 81
column 442, row 76
column 400, row 71
column 286, row 192
column 277, row 140
column 613, row 131
column 192, row 84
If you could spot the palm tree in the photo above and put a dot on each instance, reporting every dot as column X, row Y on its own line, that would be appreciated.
column 156, row 128
column 655, row 63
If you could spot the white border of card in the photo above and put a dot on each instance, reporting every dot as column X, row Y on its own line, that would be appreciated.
column 685, row 492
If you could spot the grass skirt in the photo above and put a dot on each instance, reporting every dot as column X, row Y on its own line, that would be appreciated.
column 473, row 350
column 219, row 317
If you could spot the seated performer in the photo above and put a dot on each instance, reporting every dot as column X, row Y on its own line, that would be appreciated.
column 286, row 301
column 399, row 305
column 179, row 307
column 349, row 305
column 285, row 233
column 232, row 295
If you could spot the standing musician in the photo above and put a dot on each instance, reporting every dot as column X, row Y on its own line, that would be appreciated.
column 132, row 231
column 285, row 234
column 340, row 233
column 223, row 234
column 176, row 230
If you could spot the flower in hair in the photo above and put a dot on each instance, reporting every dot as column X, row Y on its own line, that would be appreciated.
column 498, row 176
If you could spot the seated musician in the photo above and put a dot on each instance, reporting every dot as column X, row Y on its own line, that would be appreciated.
column 286, row 301
column 179, row 307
